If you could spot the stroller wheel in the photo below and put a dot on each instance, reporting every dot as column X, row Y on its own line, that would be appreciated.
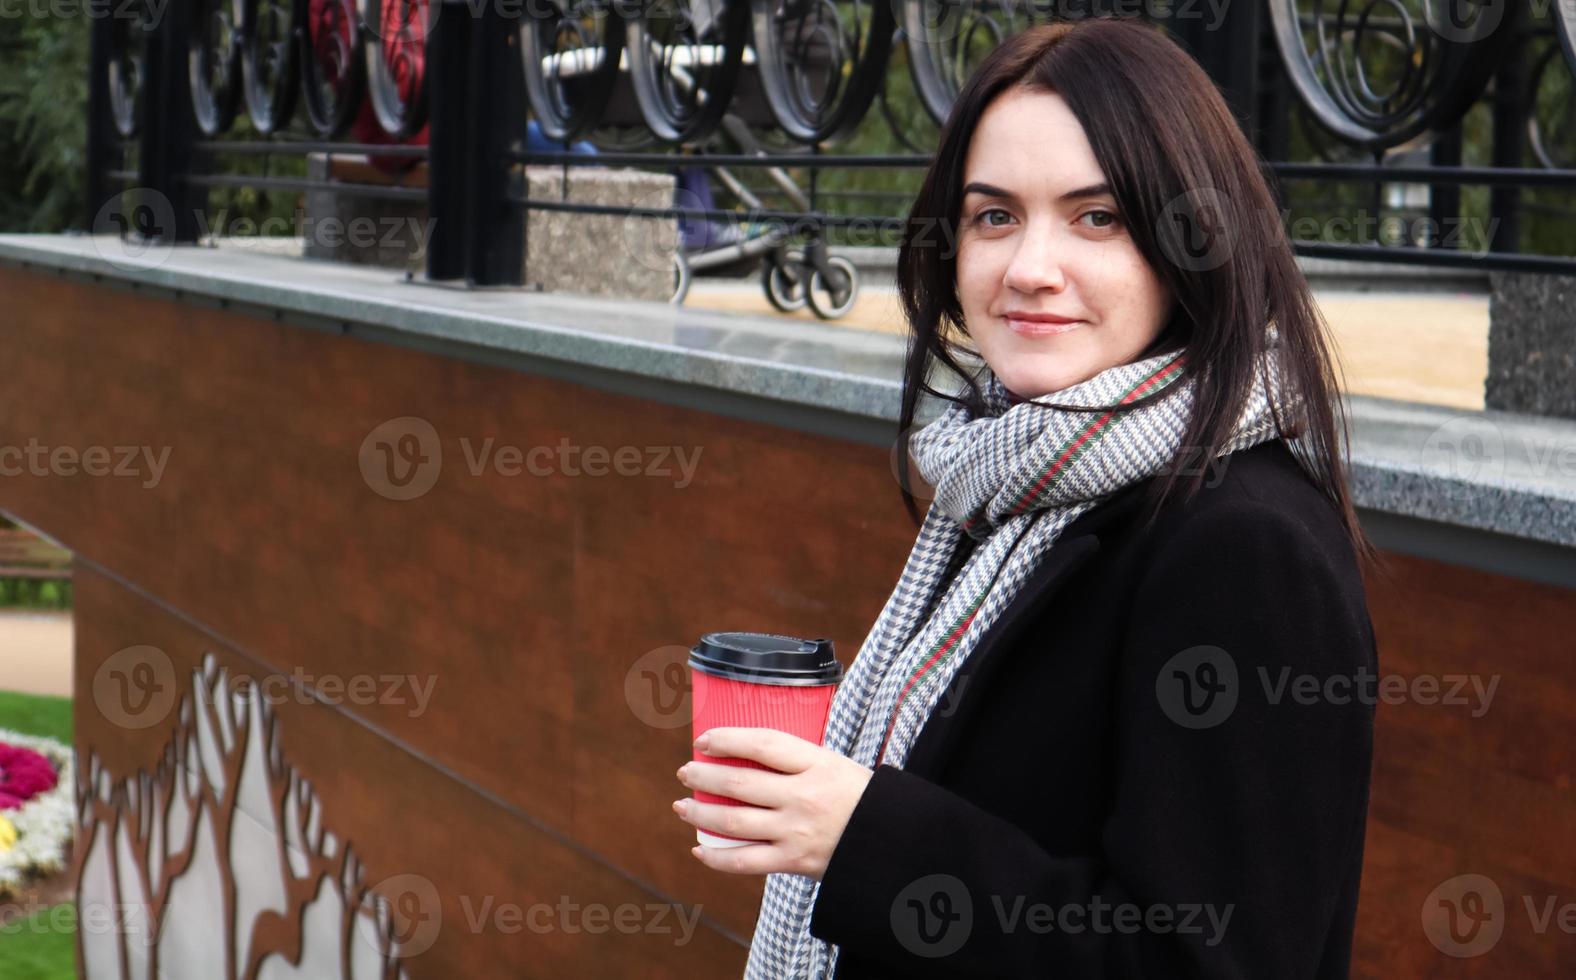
column 784, row 283
column 829, row 303
column 681, row 278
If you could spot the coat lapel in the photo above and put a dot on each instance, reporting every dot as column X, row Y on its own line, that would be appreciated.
column 1079, row 542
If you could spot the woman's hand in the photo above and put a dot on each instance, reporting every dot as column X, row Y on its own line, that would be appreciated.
column 806, row 803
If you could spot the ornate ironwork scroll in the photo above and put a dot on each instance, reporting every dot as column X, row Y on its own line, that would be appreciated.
column 570, row 52
column 684, row 62
column 268, row 63
column 1379, row 73
column 333, row 73
column 214, row 61
column 396, row 63
column 947, row 39
column 128, row 67
column 821, row 62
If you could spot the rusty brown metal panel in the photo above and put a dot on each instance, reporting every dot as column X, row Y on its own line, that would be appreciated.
column 474, row 889
column 551, row 611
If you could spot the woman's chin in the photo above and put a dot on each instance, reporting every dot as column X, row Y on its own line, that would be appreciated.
column 1040, row 384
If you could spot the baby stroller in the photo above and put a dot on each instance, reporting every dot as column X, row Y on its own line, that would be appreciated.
column 791, row 277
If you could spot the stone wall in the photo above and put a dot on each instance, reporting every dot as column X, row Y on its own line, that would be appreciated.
column 566, row 252
column 1532, row 344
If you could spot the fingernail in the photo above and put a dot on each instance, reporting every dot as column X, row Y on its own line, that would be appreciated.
column 704, row 740
column 678, row 806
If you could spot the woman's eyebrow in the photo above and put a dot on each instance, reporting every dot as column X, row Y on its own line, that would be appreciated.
column 991, row 190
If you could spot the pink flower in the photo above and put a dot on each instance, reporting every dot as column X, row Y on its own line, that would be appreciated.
column 23, row 775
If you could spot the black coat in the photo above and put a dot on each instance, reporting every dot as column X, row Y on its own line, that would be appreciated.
column 1062, row 775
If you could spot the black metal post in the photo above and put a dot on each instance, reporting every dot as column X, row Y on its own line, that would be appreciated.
column 1226, row 43
column 497, row 219
column 476, row 81
column 169, row 128
column 1444, row 200
column 1510, row 108
column 1276, row 103
column 448, row 54
column 103, row 143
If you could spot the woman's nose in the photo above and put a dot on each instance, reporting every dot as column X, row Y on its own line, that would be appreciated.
column 1036, row 264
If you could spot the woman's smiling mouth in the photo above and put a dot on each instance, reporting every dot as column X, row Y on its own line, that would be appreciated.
column 1041, row 328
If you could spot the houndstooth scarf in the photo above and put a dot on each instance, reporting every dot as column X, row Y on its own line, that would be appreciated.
column 994, row 476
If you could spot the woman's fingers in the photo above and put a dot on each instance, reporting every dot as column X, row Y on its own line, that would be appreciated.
column 768, row 746
column 749, row 785
column 750, row 859
column 747, row 822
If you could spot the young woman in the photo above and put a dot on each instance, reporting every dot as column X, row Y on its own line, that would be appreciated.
column 1107, row 725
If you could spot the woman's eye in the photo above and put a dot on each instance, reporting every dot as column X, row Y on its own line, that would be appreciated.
column 1109, row 216
column 982, row 217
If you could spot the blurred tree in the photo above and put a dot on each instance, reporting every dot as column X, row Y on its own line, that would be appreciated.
column 43, row 105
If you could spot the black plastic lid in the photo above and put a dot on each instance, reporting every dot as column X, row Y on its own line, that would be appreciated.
column 767, row 658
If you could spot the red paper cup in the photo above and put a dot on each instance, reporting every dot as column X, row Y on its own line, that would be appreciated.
column 758, row 680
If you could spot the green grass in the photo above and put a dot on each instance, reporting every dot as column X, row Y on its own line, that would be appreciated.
column 20, row 593
column 33, row 714
column 40, row 948
column 44, row 946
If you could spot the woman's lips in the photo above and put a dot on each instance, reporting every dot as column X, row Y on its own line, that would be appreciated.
column 1041, row 328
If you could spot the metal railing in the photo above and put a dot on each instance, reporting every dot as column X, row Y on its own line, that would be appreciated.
column 448, row 87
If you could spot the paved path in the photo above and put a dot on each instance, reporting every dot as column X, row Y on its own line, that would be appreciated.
column 1422, row 347
column 35, row 652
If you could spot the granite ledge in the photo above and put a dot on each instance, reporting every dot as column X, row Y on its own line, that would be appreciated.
column 1499, row 472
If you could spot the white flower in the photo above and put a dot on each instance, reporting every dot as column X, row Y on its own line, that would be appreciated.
column 45, row 824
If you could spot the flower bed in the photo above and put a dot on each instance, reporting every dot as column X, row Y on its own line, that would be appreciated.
column 36, row 807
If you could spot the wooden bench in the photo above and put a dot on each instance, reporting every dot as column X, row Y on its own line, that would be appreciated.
column 26, row 556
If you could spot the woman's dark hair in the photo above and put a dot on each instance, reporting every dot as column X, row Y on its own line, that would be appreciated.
column 1178, row 166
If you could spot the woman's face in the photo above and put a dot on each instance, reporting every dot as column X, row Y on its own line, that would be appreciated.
column 1053, row 289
